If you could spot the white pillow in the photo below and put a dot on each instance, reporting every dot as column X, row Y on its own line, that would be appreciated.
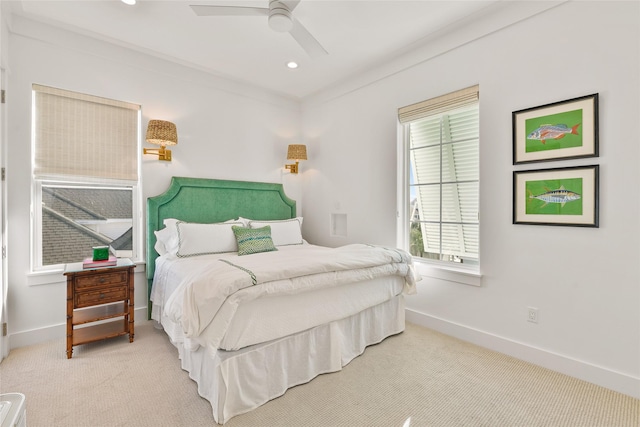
column 283, row 232
column 199, row 239
column 167, row 238
column 244, row 221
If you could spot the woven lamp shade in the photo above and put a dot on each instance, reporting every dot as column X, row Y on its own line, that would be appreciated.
column 297, row 152
column 162, row 133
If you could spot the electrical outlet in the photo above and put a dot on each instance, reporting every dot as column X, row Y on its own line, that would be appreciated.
column 532, row 315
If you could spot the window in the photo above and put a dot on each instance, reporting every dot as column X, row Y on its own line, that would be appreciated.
column 86, row 188
column 440, row 179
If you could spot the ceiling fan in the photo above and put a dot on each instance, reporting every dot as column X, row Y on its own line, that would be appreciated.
column 280, row 19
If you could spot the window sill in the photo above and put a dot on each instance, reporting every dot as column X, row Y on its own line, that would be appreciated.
column 463, row 275
column 55, row 276
column 47, row 277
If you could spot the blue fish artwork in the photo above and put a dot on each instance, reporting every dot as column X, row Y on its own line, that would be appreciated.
column 561, row 195
column 545, row 132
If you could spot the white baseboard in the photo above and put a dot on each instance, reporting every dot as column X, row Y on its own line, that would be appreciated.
column 601, row 376
column 48, row 333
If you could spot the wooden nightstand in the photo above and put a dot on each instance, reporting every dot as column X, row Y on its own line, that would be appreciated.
column 95, row 294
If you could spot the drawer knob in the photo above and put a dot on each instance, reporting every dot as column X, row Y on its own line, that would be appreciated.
column 102, row 280
column 101, row 296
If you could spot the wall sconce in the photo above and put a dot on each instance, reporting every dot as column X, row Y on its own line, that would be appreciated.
column 296, row 152
column 162, row 133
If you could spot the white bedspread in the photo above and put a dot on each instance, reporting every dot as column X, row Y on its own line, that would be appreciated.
column 215, row 289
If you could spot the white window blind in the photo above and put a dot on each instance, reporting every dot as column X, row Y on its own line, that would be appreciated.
column 443, row 140
column 80, row 137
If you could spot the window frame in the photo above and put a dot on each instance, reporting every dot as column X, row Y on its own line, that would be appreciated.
column 41, row 274
column 37, row 228
column 468, row 274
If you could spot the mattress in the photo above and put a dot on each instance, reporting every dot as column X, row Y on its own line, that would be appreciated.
column 255, row 320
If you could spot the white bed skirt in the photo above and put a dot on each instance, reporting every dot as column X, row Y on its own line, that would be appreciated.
column 235, row 382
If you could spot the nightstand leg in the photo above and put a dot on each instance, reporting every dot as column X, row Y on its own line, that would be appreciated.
column 69, row 317
column 69, row 340
column 129, row 320
column 131, row 305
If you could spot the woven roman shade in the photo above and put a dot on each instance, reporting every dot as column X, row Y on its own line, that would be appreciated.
column 84, row 137
column 439, row 104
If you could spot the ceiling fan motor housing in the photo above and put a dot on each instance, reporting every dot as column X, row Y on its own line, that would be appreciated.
column 279, row 17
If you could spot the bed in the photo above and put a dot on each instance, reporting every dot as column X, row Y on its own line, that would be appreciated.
column 272, row 313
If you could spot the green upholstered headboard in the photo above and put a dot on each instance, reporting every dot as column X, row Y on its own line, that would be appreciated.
column 213, row 200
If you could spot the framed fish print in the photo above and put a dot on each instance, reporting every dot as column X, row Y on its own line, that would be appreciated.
column 560, row 196
column 559, row 131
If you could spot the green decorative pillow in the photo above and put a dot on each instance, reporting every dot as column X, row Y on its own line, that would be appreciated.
column 253, row 240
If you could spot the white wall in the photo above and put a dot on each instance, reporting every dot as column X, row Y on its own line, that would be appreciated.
column 585, row 282
column 226, row 130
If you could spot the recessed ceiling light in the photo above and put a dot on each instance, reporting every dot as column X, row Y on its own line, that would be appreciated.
column 293, row 65
column 129, row 2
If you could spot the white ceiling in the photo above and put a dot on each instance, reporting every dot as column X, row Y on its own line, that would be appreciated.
column 359, row 35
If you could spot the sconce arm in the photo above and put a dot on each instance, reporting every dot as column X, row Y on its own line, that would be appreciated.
column 162, row 153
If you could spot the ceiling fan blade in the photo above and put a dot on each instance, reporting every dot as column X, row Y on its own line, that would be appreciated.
column 304, row 38
column 209, row 10
column 291, row 4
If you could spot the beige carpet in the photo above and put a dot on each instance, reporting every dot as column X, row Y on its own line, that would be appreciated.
column 432, row 378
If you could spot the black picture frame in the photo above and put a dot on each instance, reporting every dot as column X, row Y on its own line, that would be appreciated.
column 558, row 131
column 567, row 196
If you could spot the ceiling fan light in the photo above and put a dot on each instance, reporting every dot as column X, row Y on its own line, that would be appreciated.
column 280, row 20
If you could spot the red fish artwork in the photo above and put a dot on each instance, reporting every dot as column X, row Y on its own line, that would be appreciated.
column 545, row 132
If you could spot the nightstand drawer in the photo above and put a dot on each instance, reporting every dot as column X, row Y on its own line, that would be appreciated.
column 105, row 279
column 87, row 299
